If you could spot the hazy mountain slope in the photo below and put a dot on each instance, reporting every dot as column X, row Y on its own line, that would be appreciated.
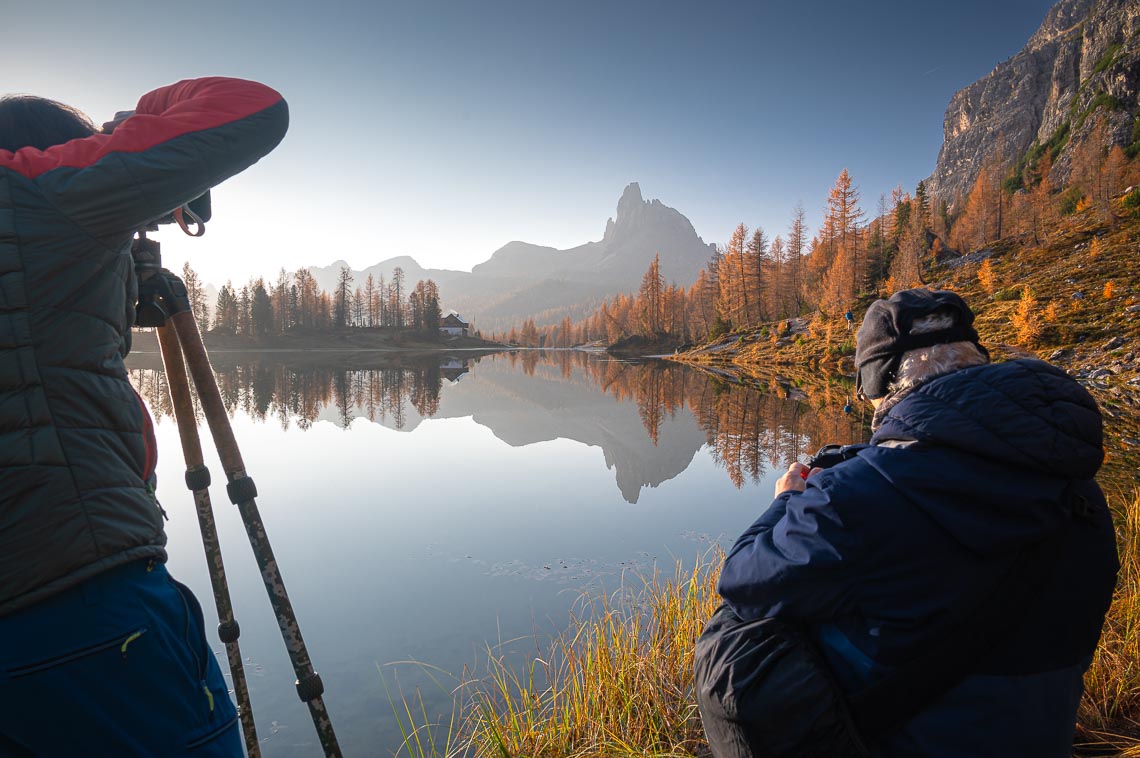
column 521, row 280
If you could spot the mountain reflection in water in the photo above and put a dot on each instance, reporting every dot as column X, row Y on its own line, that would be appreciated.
column 650, row 419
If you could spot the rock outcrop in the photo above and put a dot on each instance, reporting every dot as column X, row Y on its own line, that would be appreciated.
column 1082, row 65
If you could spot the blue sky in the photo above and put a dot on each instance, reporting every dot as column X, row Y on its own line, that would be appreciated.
column 443, row 130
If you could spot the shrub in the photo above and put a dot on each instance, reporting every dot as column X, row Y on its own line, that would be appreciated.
column 843, row 348
column 1102, row 100
column 719, row 327
column 1095, row 249
column 1108, row 289
column 1107, row 59
column 1133, row 148
column 1025, row 319
column 1132, row 202
column 986, row 276
column 1070, row 200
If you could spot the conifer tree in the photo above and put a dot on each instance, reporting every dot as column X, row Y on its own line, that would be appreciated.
column 196, row 294
column 370, row 301
column 261, row 321
column 650, row 300
column 343, row 296
column 797, row 238
column 759, row 266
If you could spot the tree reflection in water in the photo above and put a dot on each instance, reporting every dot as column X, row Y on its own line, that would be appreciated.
column 748, row 425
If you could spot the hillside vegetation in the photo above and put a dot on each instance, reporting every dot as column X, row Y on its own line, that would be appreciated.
column 1072, row 298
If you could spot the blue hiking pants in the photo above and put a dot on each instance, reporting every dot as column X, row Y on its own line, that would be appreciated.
column 117, row 666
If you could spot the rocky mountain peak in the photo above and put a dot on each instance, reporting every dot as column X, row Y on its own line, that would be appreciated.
column 1080, row 69
column 636, row 215
column 630, row 200
column 1061, row 20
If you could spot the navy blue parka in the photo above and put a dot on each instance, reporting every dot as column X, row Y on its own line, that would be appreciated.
column 961, row 476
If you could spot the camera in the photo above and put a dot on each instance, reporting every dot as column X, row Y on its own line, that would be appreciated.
column 161, row 293
column 832, row 455
column 199, row 209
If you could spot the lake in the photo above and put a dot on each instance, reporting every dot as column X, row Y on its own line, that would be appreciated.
column 423, row 508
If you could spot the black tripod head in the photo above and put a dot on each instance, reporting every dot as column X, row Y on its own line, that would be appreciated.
column 161, row 293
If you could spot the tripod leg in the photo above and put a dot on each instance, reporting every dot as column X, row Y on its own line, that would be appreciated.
column 198, row 480
column 243, row 493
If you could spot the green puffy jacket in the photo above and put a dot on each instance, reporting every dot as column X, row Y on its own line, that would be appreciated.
column 76, row 446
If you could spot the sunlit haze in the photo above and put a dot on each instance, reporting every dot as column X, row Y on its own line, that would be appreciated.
column 445, row 130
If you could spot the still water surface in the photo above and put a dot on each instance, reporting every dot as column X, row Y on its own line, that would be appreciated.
column 422, row 509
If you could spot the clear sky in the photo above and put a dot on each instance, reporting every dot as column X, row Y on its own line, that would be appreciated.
column 443, row 130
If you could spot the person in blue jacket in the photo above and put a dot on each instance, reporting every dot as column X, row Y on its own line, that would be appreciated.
column 970, row 463
column 103, row 652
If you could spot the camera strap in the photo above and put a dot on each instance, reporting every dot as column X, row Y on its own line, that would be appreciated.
column 180, row 215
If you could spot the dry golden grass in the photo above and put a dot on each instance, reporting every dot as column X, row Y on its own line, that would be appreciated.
column 1109, row 716
column 617, row 683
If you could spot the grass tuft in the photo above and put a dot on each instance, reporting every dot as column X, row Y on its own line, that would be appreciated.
column 618, row 682
column 1109, row 716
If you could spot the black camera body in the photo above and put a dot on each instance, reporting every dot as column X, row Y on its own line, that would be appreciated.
column 161, row 293
column 833, row 455
column 199, row 206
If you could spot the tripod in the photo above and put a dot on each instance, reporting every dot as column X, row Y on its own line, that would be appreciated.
column 163, row 303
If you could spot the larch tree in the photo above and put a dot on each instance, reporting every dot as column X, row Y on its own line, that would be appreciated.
column 778, row 292
column 359, row 309
column 842, row 212
column 733, row 278
column 396, row 298
column 906, row 266
column 649, row 300
column 370, row 300
column 281, row 302
column 1112, row 173
column 1041, row 203
column 797, row 239
column 196, row 294
column 261, row 320
column 759, row 267
column 343, row 296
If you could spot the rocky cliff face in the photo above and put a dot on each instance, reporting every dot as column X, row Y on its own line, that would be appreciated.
column 1082, row 65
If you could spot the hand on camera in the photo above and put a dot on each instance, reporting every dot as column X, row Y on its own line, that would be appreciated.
column 794, row 479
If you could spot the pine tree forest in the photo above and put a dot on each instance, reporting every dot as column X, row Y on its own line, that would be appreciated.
column 763, row 276
column 294, row 302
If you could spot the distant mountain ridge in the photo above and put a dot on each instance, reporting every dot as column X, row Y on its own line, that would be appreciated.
column 1083, row 63
column 522, row 280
